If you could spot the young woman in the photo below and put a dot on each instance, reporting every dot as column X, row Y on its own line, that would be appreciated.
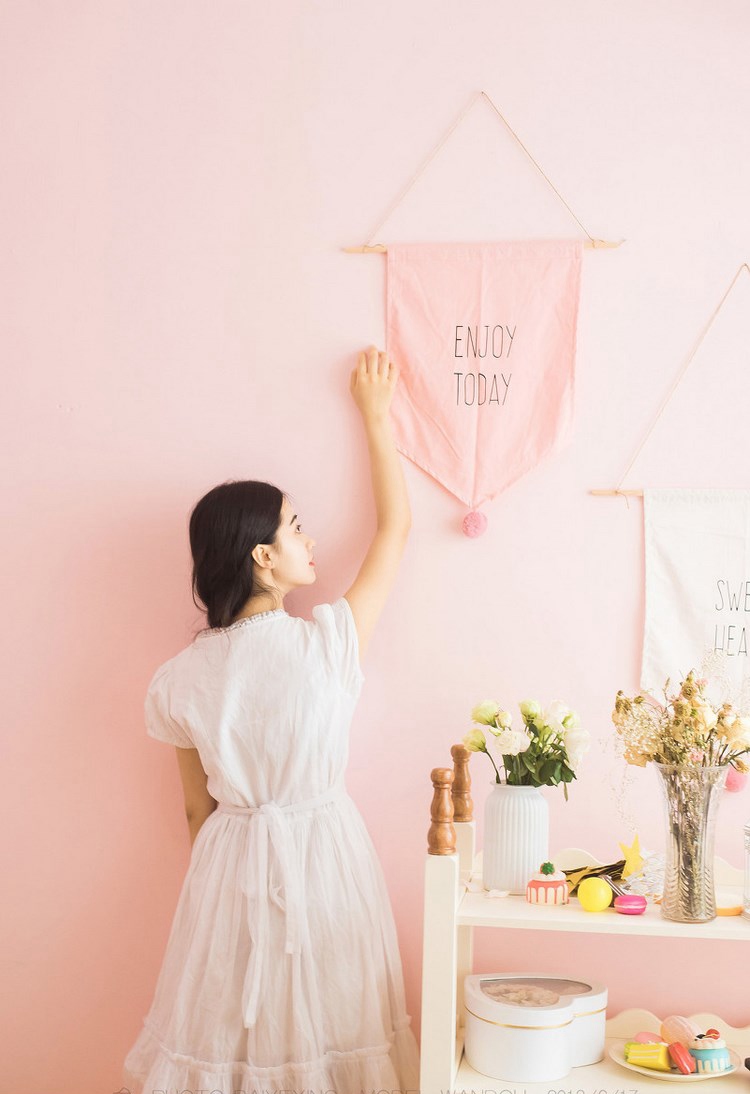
column 282, row 970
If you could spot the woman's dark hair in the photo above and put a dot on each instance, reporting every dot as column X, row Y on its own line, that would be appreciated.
column 225, row 526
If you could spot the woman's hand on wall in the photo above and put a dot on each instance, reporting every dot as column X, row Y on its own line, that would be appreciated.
column 373, row 382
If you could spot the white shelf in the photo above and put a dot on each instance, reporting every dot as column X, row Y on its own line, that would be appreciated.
column 480, row 910
column 477, row 909
column 452, row 912
column 606, row 1077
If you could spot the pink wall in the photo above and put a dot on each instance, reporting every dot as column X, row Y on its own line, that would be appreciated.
column 179, row 181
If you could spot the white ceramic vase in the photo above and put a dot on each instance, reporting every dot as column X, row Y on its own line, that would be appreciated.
column 516, row 836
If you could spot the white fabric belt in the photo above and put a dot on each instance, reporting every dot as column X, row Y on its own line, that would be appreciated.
column 275, row 829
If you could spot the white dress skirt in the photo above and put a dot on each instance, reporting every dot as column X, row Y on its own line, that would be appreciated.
column 282, row 969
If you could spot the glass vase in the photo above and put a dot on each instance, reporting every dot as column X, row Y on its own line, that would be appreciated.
column 691, row 794
column 516, row 836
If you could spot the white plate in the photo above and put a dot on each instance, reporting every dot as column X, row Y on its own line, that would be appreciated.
column 617, row 1053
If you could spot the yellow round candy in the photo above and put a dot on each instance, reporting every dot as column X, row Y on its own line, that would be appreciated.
column 594, row 894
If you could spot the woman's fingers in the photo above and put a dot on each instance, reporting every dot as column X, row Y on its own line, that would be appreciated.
column 377, row 360
column 375, row 363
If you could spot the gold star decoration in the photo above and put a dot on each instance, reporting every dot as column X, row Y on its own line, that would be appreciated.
column 633, row 859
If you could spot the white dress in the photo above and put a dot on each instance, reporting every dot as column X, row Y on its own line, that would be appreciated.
column 282, row 969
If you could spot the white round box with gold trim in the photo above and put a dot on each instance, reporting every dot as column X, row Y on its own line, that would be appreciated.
column 528, row 1028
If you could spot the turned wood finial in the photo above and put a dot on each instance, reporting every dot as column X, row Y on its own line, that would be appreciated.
column 441, row 838
column 463, row 805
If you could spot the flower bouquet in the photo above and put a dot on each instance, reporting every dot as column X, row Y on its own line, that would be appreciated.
column 546, row 752
column 692, row 745
column 684, row 729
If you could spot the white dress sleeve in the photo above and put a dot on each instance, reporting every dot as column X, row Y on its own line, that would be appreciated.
column 159, row 721
column 340, row 642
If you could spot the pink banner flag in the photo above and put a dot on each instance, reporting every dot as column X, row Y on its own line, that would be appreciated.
column 485, row 337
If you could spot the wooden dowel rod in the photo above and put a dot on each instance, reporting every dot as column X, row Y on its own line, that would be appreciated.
column 380, row 248
column 617, row 493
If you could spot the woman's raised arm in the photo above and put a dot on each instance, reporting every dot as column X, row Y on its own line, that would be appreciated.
column 372, row 384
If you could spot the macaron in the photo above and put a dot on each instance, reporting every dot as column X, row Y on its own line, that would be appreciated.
column 681, row 1058
column 677, row 1028
column 594, row 894
column 630, row 904
column 646, row 1038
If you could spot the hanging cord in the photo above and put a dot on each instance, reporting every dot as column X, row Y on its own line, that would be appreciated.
column 429, row 159
column 541, row 172
column 440, row 144
column 683, row 370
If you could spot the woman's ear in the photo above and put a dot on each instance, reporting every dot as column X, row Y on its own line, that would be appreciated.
column 262, row 556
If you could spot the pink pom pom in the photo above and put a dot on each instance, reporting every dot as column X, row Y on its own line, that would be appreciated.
column 475, row 524
column 735, row 780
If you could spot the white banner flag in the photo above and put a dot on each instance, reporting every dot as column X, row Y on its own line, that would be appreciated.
column 697, row 590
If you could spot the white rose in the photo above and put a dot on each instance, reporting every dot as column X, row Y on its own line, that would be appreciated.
column 505, row 742
column 554, row 716
column 475, row 741
column 571, row 721
column 485, row 712
column 513, row 742
column 576, row 745
column 521, row 741
column 530, row 709
column 502, row 722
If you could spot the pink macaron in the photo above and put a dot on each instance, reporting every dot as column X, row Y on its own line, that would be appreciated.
column 630, row 904
column 681, row 1058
